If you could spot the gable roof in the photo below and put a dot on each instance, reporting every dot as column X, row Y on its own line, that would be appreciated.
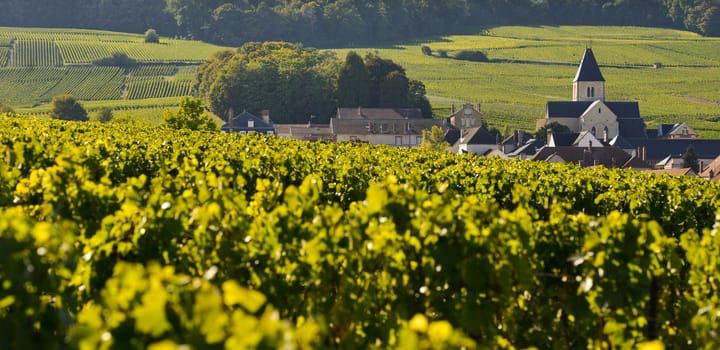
column 479, row 136
column 562, row 138
column 452, row 136
column 575, row 109
column 714, row 166
column 240, row 123
column 673, row 171
column 658, row 149
column 610, row 157
column 379, row 113
column 589, row 69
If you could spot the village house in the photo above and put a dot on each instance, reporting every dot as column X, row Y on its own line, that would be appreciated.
column 247, row 122
column 400, row 127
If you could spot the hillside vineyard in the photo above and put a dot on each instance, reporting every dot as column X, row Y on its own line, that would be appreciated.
column 136, row 237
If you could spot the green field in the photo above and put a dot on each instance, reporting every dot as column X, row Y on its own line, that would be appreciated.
column 36, row 64
column 532, row 65
column 529, row 66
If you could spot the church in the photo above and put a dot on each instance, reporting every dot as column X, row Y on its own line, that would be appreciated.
column 588, row 110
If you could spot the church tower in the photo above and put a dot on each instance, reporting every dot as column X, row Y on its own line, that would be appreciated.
column 589, row 84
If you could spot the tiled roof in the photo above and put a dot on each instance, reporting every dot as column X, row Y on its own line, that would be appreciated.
column 632, row 128
column 714, row 166
column 589, row 69
column 673, row 171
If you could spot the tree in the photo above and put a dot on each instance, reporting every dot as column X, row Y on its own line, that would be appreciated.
column 426, row 50
column 292, row 81
column 103, row 115
column 690, row 159
column 434, row 139
column 65, row 107
column 118, row 59
column 191, row 115
column 541, row 134
column 354, row 85
column 6, row 109
column 151, row 36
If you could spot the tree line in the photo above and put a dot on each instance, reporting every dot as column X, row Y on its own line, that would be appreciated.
column 349, row 22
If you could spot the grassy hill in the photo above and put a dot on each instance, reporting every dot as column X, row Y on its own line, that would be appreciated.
column 532, row 65
column 36, row 64
column 528, row 67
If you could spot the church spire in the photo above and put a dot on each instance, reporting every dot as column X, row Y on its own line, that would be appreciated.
column 588, row 70
column 589, row 84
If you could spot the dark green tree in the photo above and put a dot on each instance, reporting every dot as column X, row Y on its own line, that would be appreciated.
column 690, row 159
column 354, row 84
column 103, row 115
column 66, row 107
column 393, row 90
column 541, row 134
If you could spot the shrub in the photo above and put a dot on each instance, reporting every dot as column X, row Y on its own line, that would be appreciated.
column 118, row 59
column 442, row 53
column 151, row 36
column 103, row 115
column 191, row 115
column 469, row 55
column 426, row 50
column 6, row 109
column 66, row 107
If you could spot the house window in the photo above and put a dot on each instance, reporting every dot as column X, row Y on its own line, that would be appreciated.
column 418, row 140
column 593, row 131
column 251, row 123
column 270, row 132
column 599, row 110
column 685, row 131
column 588, row 92
column 398, row 140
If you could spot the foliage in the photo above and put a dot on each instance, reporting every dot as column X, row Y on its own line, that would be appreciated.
column 6, row 109
column 103, row 115
column 66, row 107
column 129, row 236
column 354, row 84
column 118, row 59
column 690, row 159
column 471, row 55
column 542, row 133
column 190, row 115
column 434, row 139
column 426, row 50
column 151, row 36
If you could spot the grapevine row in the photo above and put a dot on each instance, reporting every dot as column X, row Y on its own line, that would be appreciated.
column 140, row 236
column 142, row 88
column 34, row 53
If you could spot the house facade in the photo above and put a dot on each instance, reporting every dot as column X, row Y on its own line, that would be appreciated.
column 400, row 127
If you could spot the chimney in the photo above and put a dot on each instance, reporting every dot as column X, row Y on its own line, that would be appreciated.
column 590, row 146
column 549, row 136
column 644, row 153
column 702, row 166
column 452, row 108
column 478, row 106
column 231, row 116
column 359, row 111
column 266, row 116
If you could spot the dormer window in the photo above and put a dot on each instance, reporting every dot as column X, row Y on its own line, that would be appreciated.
column 251, row 123
column 685, row 131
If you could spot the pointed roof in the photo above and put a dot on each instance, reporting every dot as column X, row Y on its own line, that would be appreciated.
column 589, row 69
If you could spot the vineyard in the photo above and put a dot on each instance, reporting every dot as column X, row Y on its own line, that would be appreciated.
column 36, row 64
column 532, row 65
column 134, row 237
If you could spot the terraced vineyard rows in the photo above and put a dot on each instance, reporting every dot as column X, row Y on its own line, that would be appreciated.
column 89, row 83
column 142, row 88
column 4, row 52
column 129, row 236
column 34, row 53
